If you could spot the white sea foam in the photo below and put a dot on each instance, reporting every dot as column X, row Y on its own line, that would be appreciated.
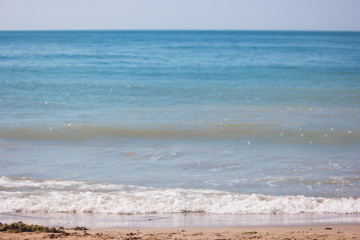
column 50, row 196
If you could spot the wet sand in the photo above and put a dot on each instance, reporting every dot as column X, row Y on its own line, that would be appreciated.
column 268, row 232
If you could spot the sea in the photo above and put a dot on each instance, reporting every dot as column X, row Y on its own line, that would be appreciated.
column 179, row 128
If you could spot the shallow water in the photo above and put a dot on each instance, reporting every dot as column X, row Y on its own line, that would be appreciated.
column 103, row 221
column 221, row 121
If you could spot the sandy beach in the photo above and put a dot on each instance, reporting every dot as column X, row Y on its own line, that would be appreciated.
column 268, row 232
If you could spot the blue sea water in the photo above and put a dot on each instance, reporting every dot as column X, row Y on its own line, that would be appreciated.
column 225, row 122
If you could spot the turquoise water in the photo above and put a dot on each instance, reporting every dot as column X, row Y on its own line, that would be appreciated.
column 148, row 116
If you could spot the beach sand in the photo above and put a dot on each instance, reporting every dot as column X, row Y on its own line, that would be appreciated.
column 268, row 232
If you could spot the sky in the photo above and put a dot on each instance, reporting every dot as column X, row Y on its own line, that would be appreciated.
column 324, row 15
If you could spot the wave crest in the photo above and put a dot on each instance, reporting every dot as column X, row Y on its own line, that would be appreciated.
column 51, row 196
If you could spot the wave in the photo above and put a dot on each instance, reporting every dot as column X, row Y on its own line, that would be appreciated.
column 55, row 196
column 244, row 131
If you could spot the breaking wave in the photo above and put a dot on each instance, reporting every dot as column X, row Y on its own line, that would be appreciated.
column 52, row 196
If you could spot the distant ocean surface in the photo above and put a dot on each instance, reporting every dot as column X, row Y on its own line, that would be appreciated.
column 217, row 122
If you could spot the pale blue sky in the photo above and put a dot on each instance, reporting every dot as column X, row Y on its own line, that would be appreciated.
column 180, row 14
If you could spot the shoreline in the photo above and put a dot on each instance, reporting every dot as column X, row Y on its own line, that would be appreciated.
column 328, row 231
column 179, row 220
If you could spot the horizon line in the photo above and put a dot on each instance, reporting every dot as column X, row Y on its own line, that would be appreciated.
column 220, row 30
